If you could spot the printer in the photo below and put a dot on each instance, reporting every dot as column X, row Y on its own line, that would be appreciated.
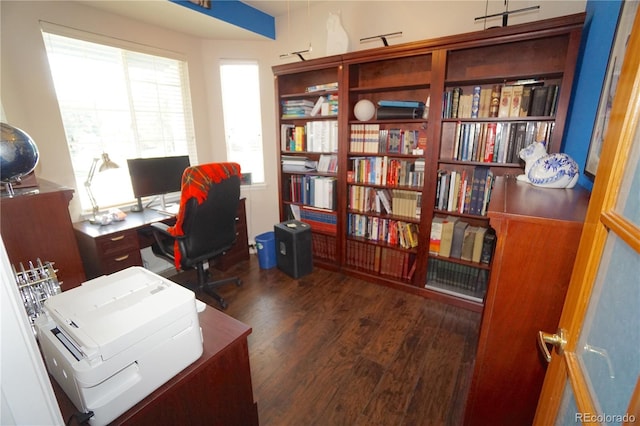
column 112, row 341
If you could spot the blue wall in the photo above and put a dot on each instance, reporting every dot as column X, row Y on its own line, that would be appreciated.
column 597, row 38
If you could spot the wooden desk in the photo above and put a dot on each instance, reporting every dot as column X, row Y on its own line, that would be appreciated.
column 108, row 249
column 215, row 390
column 36, row 224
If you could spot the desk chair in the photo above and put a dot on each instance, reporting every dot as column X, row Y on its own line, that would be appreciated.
column 205, row 225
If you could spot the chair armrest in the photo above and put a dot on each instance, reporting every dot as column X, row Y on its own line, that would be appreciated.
column 160, row 232
column 162, row 228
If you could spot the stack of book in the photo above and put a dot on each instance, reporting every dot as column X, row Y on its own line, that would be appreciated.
column 296, row 108
column 319, row 219
column 398, row 110
column 325, row 87
column 295, row 164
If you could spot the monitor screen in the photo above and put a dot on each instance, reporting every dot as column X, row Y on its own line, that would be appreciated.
column 156, row 176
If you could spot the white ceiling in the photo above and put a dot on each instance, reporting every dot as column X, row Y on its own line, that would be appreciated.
column 169, row 15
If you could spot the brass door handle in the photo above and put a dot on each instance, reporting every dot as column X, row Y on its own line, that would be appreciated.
column 558, row 340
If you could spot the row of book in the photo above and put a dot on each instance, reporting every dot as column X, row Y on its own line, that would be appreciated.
column 324, row 247
column 397, row 202
column 390, row 231
column 521, row 99
column 313, row 136
column 386, row 171
column 370, row 138
column 452, row 237
column 380, row 260
column 464, row 191
column 316, row 191
column 494, row 142
column 319, row 219
column 457, row 278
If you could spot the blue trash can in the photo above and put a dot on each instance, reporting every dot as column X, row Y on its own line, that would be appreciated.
column 266, row 245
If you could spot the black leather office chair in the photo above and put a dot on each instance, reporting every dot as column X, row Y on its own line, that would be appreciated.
column 206, row 222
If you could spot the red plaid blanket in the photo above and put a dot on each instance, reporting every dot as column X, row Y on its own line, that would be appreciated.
column 196, row 181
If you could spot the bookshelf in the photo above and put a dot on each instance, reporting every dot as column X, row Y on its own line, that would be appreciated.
column 391, row 167
column 496, row 99
column 386, row 166
column 308, row 107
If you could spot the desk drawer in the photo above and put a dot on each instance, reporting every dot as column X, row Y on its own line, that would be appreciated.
column 118, row 243
column 116, row 262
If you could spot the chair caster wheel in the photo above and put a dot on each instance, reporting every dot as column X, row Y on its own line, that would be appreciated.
column 239, row 282
column 223, row 304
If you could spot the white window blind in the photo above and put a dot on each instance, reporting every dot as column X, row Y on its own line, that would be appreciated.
column 123, row 102
column 240, row 83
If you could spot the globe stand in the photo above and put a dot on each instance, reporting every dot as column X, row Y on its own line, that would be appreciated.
column 9, row 188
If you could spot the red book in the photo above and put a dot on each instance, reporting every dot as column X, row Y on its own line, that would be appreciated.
column 490, row 142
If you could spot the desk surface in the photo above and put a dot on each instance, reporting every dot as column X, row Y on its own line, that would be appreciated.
column 134, row 220
column 217, row 386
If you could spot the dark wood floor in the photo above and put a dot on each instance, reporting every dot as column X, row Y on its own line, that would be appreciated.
column 333, row 350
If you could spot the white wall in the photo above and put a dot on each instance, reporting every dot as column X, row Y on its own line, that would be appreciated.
column 417, row 20
column 28, row 97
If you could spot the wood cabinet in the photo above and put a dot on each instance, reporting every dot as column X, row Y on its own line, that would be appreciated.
column 390, row 245
column 538, row 232
column 36, row 225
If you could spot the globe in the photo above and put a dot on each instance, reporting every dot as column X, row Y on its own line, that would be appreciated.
column 18, row 154
column 364, row 110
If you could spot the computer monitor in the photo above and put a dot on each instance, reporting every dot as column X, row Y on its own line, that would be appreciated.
column 156, row 176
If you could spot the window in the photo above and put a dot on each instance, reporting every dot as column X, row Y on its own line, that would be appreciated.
column 121, row 102
column 242, row 116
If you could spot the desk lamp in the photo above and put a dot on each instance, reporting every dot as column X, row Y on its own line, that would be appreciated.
column 107, row 164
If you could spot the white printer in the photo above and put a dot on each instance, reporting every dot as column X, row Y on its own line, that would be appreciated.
column 115, row 339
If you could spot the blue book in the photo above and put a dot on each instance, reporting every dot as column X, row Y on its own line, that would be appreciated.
column 404, row 104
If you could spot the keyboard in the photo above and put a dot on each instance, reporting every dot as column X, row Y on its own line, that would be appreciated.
column 170, row 209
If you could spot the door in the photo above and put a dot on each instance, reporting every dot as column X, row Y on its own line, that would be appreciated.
column 595, row 361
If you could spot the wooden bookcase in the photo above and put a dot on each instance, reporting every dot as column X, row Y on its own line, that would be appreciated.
column 544, row 51
column 299, row 82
